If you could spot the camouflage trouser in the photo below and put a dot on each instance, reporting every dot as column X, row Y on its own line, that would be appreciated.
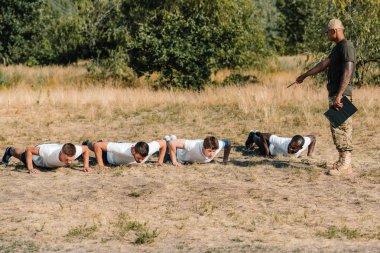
column 342, row 135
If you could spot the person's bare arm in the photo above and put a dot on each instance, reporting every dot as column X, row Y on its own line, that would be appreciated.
column 347, row 73
column 98, row 148
column 310, row 149
column 264, row 138
column 173, row 145
column 315, row 70
column 86, row 158
column 162, row 151
column 227, row 150
column 29, row 152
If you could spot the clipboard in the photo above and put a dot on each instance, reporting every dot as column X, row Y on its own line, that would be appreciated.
column 337, row 118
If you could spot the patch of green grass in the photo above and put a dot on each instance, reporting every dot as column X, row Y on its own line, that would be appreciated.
column 135, row 194
column 335, row 232
column 82, row 231
column 143, row 235
column 122, row 224
column 20, row 246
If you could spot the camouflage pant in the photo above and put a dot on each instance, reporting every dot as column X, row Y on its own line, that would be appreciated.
column 342, row 135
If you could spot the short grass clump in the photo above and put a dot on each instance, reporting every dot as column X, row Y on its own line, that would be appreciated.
column 20, row 246
column 142, row 233
column 82, row 231
column 145, row 236
column 134, row 194
column 345, row 232
column 205, row 208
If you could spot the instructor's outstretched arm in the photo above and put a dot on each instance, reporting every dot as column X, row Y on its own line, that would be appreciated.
column 315, row 70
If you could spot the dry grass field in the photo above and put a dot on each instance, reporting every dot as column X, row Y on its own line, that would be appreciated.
column 251, row 204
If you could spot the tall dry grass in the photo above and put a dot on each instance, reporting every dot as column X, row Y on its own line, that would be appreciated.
column 232, row 110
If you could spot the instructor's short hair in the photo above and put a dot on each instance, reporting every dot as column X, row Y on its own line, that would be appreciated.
column 211, row 142
column 69, row 149
column 142, row 148
column 298, row 139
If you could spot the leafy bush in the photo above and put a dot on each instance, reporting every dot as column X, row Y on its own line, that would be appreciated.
column 239, row 79
column 19, row 26
column 113, row 66
column 189, row 41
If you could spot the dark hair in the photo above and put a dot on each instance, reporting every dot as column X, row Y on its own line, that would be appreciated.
column 69, row 149
column 142, row 148
column 250, row 140
column 211, row 142
column 298, row 139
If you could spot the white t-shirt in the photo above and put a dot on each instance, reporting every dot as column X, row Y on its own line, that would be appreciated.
column 279, row 145
column 49, row 155
column 120, row 152
column 192, row 152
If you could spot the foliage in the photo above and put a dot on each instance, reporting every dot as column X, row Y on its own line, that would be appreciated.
column 113, row 66
column 239, row 79
column 186, row 41
column 20, row 24
column 183, row 41
column 292, row 23
column 271, row 21
column 178, row 48
column 364, row 31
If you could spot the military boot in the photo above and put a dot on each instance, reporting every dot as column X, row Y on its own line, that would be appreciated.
column 337, row 163
column 344, row 166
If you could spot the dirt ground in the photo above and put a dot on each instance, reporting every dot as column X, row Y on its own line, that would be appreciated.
column 251, row 204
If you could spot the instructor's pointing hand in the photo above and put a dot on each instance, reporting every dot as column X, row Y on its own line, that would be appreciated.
column 300, row 78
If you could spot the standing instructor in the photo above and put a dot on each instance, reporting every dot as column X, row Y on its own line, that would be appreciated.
column 341, row 66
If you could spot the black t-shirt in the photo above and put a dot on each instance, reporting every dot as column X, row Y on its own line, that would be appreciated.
column 343, row 52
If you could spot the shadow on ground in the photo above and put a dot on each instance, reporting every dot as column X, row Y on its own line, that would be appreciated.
column 277, row 163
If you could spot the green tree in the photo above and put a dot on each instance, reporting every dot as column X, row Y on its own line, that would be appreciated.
column 292, row 23
column 62, row 39
column 19, row 26
column 271, row 21
column 186, row 40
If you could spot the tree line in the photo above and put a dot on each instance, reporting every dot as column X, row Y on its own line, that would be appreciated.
column 185, row 41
